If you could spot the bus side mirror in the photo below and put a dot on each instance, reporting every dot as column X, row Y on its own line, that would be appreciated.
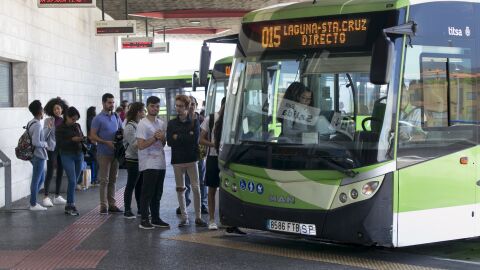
column 382, row 60
column 195, row 80
column 204, row 65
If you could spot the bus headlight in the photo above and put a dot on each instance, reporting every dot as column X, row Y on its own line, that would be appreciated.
column 225, row 182
column 343, row 197
column 369, row 188
column 234, row 187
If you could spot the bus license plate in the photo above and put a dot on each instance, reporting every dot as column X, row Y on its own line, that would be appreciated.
column 291, row 227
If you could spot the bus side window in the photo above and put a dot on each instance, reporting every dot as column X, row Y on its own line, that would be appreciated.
column 438, row 109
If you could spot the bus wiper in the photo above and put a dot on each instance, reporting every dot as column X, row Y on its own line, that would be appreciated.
column 236, row 154
column 250, row 144
column 334, row 165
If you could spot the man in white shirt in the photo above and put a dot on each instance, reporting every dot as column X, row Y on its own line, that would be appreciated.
column 151, row 158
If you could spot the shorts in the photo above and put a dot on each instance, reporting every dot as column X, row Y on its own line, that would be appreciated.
column 212, row 176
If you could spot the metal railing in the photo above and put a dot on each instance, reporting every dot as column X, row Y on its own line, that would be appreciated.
column 5, row 163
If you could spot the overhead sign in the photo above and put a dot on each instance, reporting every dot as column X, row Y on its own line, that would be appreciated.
column 163, row 47
column 115, row 28
column 137, row 42
column 66, row 3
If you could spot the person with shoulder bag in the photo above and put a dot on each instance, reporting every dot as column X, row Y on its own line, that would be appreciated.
column 105, row 127
column 202, row 152
column 182, row 137
column 70, row 141
column 135, row 179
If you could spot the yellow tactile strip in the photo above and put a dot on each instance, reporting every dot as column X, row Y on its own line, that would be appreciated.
column 218, row 239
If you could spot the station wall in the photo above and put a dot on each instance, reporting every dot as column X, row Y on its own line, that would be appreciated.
column 54, row 52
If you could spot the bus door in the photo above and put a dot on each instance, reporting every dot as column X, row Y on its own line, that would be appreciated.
column 437, row 161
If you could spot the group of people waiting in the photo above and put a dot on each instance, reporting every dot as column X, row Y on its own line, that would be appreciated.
column 60, row 142
column 144, row 135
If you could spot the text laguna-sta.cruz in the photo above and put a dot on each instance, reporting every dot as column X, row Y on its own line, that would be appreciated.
column 332, row 32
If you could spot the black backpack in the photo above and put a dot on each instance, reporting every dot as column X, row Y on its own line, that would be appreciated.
column 25, row 148
column 119, row 148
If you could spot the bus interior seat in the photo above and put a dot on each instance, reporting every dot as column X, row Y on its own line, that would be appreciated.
column 367, row 141
column 328, row 114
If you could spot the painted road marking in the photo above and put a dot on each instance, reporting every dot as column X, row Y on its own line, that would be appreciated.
column 218, row 239
column 61, row 251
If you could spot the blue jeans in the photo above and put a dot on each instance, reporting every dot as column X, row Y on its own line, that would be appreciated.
column 72, row 164
column 203, row 188
column 38, row 177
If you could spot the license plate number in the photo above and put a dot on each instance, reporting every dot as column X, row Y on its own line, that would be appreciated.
column 291, row 227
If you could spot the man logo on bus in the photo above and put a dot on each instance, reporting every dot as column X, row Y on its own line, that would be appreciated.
column 281, row 199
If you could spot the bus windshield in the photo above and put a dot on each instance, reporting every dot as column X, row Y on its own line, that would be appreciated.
column 314, row 112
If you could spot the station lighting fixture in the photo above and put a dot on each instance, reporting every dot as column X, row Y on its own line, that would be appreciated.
column 194, row 22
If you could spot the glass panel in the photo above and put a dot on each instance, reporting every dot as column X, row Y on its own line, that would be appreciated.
column 306, row 111
column 439, row 103
column 5, row 85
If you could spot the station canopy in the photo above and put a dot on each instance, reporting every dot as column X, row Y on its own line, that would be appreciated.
column 197, row 19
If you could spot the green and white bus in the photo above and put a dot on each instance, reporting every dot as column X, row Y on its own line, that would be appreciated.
column 387, row 153
column 166, row 88
column 218, row 84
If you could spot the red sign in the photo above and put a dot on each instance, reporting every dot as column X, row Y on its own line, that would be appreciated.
column 137, row 43
column 66, row 3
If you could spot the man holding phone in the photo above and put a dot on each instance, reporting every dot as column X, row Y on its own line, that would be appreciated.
column 151, row 159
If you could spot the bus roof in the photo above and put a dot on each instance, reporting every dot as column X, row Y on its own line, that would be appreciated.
column 161, row 78
column 226, row 60
column 330, row 7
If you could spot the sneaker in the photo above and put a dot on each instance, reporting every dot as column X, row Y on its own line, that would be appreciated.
column 234, row 231
column 79, row 187
column 114, row 209
column 200, row 223
column 178, row 211
column 71, row 210
column 204, row 210
column 146, row 225
column 47, row 202
column 59, row 200
column 37, row 207
column 184, row 223
column 103, row 211
column 212, row 226
column 160, row 223
column 129, row 215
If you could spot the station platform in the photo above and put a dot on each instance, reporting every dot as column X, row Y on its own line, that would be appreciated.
column 52, row 240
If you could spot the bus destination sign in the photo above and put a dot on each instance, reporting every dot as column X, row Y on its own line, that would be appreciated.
column 66, row 3
column 310, row 33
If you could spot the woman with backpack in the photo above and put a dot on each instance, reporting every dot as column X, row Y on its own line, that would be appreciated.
column 54, row 109
column 135, row 179
column 70, row 143
column 38, row 147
